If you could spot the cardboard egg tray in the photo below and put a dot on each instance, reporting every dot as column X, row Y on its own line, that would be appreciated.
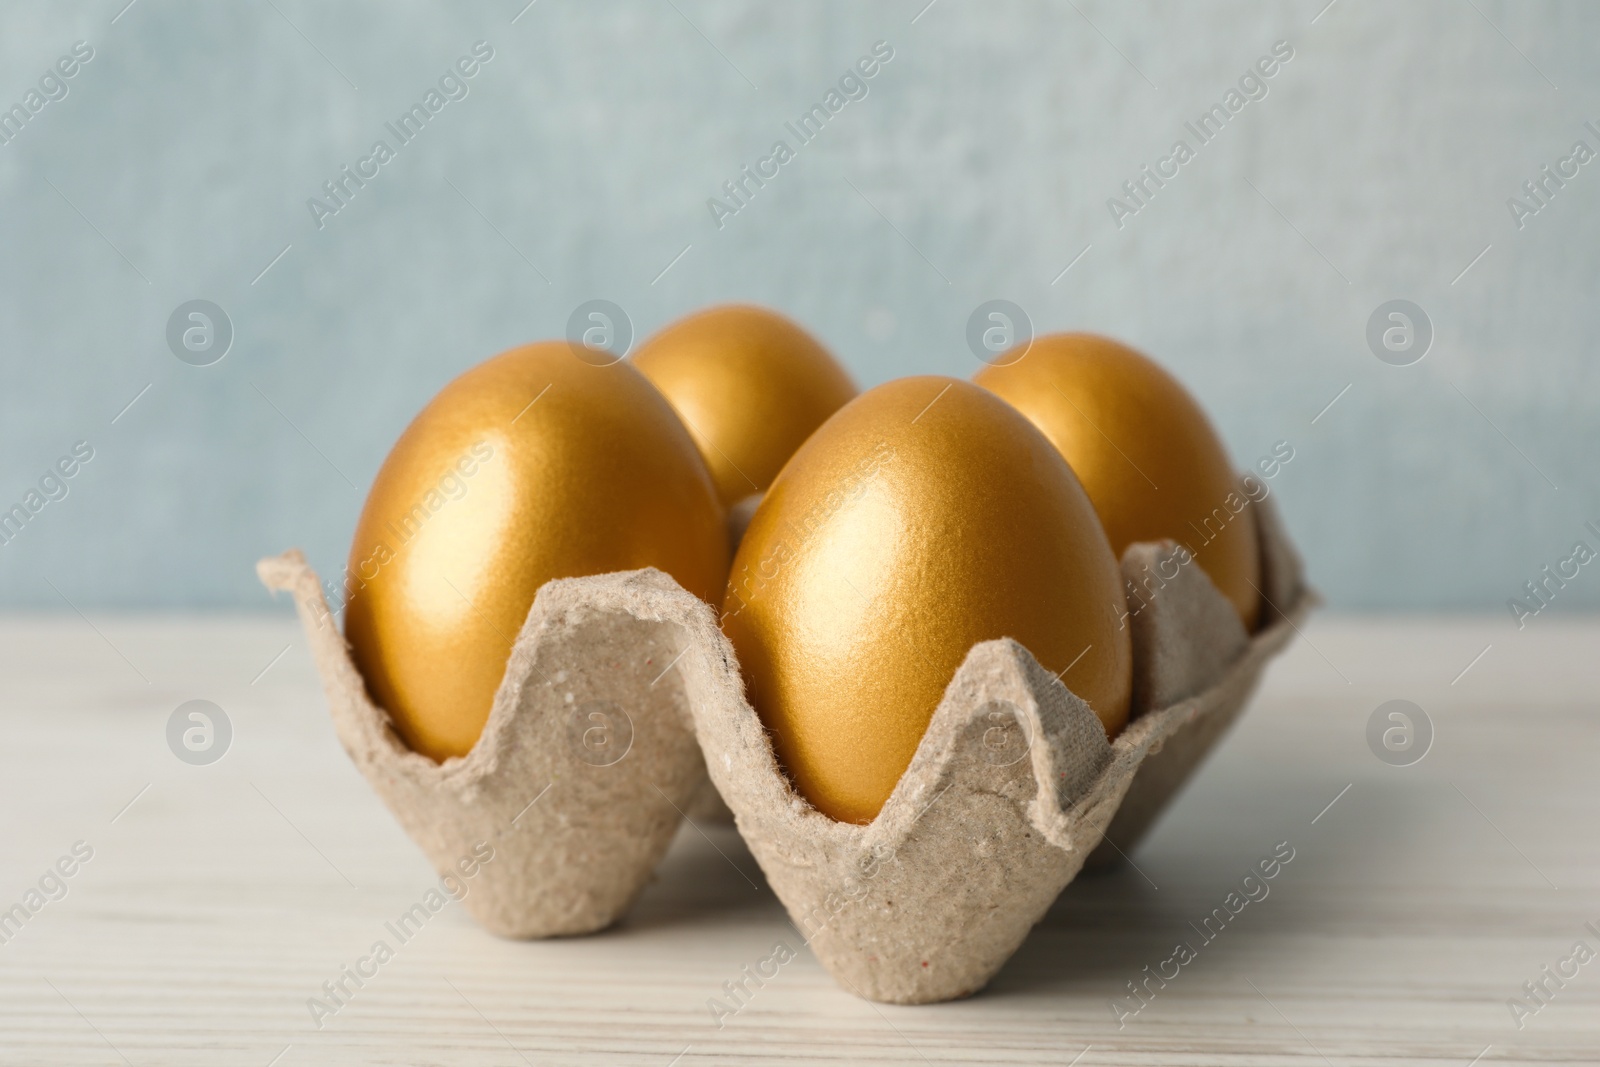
column 621, row 694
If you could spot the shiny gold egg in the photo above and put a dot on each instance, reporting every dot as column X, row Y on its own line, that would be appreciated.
column 1143, row 449
column 924, row 517
column 750, row 385
column 531, row 466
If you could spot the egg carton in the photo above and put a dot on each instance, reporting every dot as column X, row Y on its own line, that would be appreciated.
column 621, row 693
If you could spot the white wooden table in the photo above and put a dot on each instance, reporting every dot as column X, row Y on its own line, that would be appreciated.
column 219, row 898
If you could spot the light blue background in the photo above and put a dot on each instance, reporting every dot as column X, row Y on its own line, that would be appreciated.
column 1382, row 159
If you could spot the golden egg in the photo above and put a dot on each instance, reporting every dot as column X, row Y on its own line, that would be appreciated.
column 1143, row 449
column 924, row 517
column 750, row 385
column 531, row 466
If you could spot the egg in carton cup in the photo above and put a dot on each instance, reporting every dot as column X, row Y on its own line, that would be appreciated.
column 585, row 767
column 621, row 692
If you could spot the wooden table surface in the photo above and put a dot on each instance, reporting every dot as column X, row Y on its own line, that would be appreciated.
column 218, row 899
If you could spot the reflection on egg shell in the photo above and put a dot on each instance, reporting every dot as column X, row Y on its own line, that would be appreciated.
column 531, row 466
column 925, row 517
column 1143, row 449
column 750, row 385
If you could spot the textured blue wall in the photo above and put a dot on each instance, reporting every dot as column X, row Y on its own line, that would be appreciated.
column 579, row 163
